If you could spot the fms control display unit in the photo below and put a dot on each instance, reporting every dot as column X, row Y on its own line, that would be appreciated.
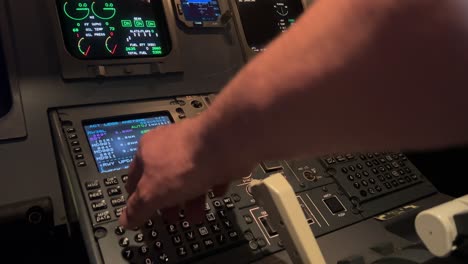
column 102, row 73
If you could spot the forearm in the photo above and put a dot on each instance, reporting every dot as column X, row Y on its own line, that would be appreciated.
column 349, row 76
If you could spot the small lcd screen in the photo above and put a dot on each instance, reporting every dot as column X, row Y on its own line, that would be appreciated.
column 115, row 142
column 5, row 98
column 263, row 20
column 201, row 10
column 107, row 29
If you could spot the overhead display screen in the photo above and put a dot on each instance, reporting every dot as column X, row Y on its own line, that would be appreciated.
column 263, row 20
column 115, row 142
column 106, row 29
column 201, row 10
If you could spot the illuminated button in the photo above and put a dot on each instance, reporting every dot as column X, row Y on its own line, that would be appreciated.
column 102, row 216
column 139, row 237
column 111, row 181
column 79, row 156
column 91, row 185
column 95, row 195
column 73, row 136
column 99, row 205
column 177, row 240
column 120, row 230
column 216, row 228
column 81, row 164
column 190, row 235
column 195, row 247
column 124, row 178
column 118, row 212
column 77, row 149
column 71, row 130
column 127, row 254
column 334, row 205
column 75, row 143
column 203, row 231
column 181, row 252
column 210, row 217
column 118, row 201
column 208, row 243
column 114, row 191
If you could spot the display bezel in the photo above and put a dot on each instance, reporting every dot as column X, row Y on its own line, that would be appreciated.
column 161, row 20
column 118, row 118
column 223, row 6
column 74, row 68
column 247, row 51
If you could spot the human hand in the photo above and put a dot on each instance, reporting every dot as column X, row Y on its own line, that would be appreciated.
column 174, row 168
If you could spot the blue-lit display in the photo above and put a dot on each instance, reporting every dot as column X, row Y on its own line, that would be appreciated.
column 201, row 10
column 115, row 143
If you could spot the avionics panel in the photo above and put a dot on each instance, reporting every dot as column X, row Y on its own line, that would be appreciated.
column 114, row 29
column 260, row 21
column 114, row 142
column 111, row 38
column 201, row 13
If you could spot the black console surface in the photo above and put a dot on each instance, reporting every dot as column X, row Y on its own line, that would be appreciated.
column 336, row 192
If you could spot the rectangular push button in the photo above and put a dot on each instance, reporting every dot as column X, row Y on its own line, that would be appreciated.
column 334, row 205
column 269, row 228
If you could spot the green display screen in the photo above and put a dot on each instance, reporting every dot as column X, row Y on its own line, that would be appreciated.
column 106, row 29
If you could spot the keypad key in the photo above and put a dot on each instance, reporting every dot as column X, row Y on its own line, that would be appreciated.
column 363, row 193
column 148, row 260
column 358, row 175
column 330, row 161
column 230, row 206
column 349, row 156
column 203, row 231
column 124, row 242
column 401, row 181
column 102, row 216
column 227, row 223
column 95, row 195
column 210, row 217
column 248, row 219
column 365, row 173
column 381, row 178
column 181, row 251
column 75, row 143
column 407, row 179
column 388, row 176
column 414, row 177
column 217, row 204
column 163, row 258
column 119, row 211
column 124, row 178
column 375, row 171
column 127, row 254
column 364, row 183
column 171, row 229
column 153, row 234
column 350, row 178
column 139, row 237
column 369, row 164
column 233, row 235
column 185, row 224
column 144, row 250
column 372, row 181
column 395, row 173
column 344, row 170
column 352, row 168
column 394, row 183
column 99, row 205
column 114, row 191
column 362, row 157
column 190, row 235
column 340, row 158
column 195, row 247
column 158, row 245
column 378, row 188
column 111, row 181
column 149, row 223
column 371, row 191
column 215, row 228
column 382, row 169
column 408, row 170
column 91, row 185
column 388, row 185
column 207, row 207
column 120, row 230
column 236, row 197
column 227, row 200
column 222, row 213
column 221, row 239
column 118, row 201
column 376, row 162
column 357, row 185
column 208, row 243
column 211, row 195
column 81, row 164
column 359, row 166
column 177, row 240
column 181, row 214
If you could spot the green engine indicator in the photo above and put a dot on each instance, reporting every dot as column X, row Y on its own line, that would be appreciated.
column 139, row 23
column 127, row 23
column 150, row 23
